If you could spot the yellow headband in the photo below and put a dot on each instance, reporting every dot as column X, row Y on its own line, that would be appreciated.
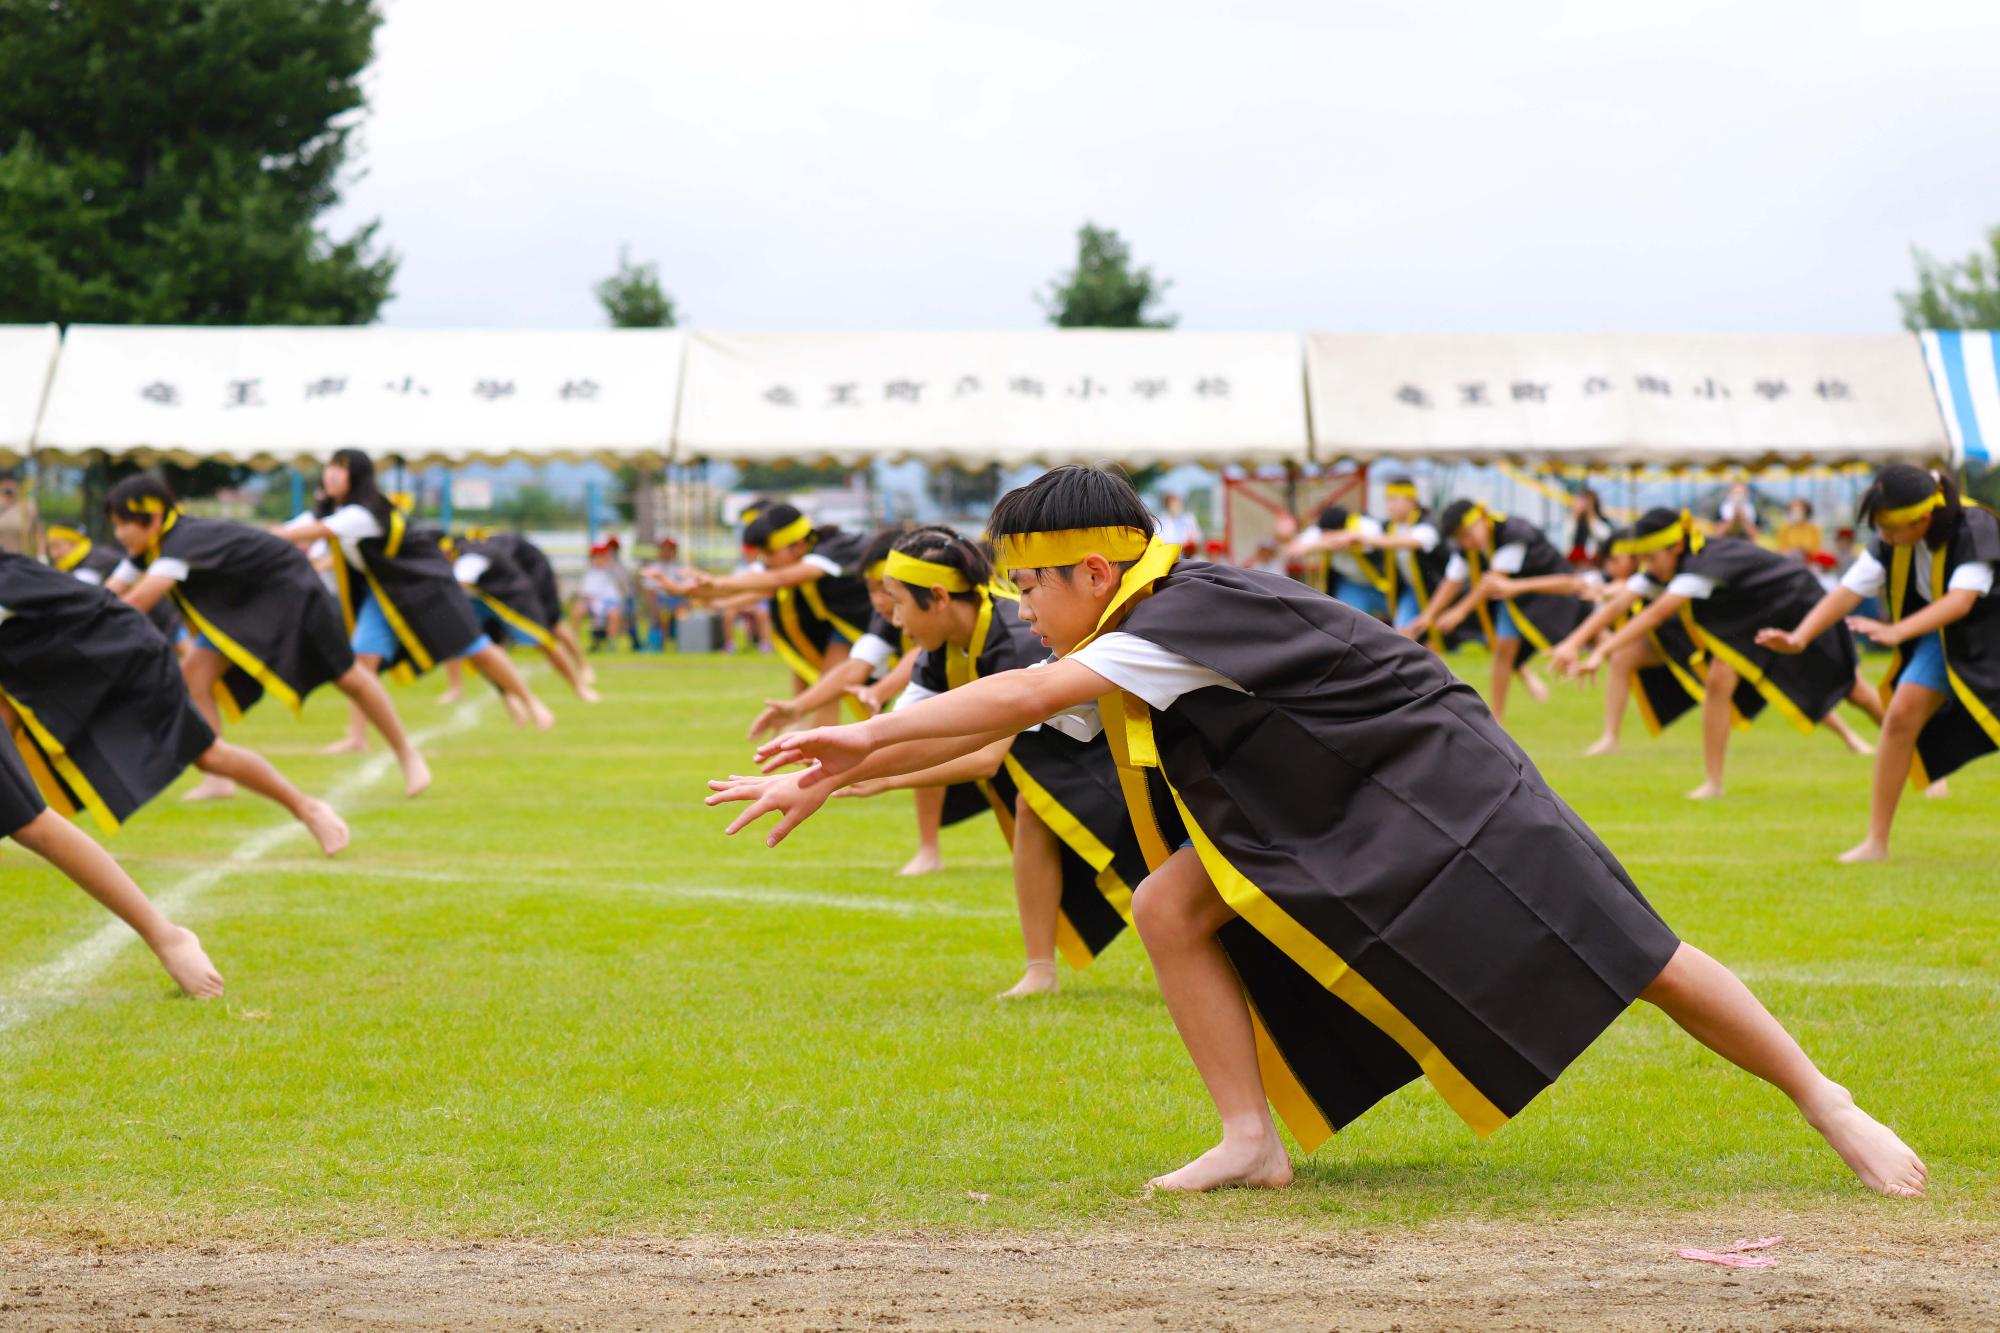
column 925, row 573
column 1477, row 511
column 875, row 571
column 1647, row 543
column 146, row 504
column 58, row 533
column 1401, row 488
column 1072, row 546
column 749, row 514
column 1896, row 518
column 797, row 530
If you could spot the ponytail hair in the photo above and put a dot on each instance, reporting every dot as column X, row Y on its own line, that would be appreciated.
column 139, row 497
column 943, row 546
column 1901, row 485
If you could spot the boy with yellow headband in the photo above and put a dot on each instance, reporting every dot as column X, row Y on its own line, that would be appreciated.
column 1934, row 558
column 1357, row 878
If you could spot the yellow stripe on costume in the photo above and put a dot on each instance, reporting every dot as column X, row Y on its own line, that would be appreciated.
column 810, row 591
column 1288, row 1096
column 1073, row 835
column 1751, row 672
column 793, row 646
column 1330, row 970
column 515, row 620
column 239, row 656
column 64, row 766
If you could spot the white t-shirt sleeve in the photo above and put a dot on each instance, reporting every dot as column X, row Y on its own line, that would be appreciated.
column 912, row 694
column 127, row 573
column 1456, row 571
column 876, row 651
column 352, row 523
column 1695, row 587
column 1081, row 723
column 470, row 567
column 1641, row 585
column 1509, row 558
column 1426, row 535
column 824, row 564
column 1865, row 577
column 167, row 567
column 1974, row 576
column 1140, row 666
column 89, row 576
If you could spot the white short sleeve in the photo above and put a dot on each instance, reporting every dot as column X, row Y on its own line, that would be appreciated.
column 1509, row 558
column 90, row 576
column 470, row 567
column 1866, row 577
column 1456, row 571
column 127, row 573
column 1972, row 576
column 1426, row 535
column 1640, row 585
column 876, row 651
column 1081, row 723
column 166, row 567
column 352, row 523
column 1140, row 666
column 912, row 694
column 1694, row 587
column 824, row 564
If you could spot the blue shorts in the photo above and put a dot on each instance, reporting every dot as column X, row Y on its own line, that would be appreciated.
column 1503, row 622
column 374, row 638
column 1407, row 608
column 1925, row 664
column 202, row 641
column 1363, row 597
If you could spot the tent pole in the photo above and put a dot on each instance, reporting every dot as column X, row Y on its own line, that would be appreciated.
column 590, row 502
column 444, row 500
column 298, row 489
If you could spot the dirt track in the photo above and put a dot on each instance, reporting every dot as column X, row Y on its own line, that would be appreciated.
column 1830, row 1275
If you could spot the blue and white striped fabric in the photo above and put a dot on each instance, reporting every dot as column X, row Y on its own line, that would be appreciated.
column 1965, row 370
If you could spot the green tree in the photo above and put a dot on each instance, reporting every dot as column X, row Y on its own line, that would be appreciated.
column 1105, row 290
column 166, row 162
column 1955, row 296
column 632, row 298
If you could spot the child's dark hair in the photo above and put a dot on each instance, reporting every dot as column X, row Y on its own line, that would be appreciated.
column 1071, row 496
column 1900, row 485
column 776, row 519
column 140, row 496
column 1332, row 518
column 1453, row 517
column 361, row 486
column 878, row 547
column 943, row 546
column 1805, row 506
column 1657, row 519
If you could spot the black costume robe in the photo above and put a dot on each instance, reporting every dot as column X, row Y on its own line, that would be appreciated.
column 95, row 564
column 104, row 719
column 811, row 615
column 409, row 576
column 1543, row 618
column 257, row 599
column 1071, row 785
column 1755, row 589
column 534, row 562
column 20, row 799
column 1411, row 896
column 1668, row 692
column 505, row 597
column 1968, row 725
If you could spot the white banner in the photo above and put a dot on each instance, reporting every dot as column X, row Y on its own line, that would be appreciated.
column 27, row 355
column 1664, row 399
column 270, row 395
column 1058, row 395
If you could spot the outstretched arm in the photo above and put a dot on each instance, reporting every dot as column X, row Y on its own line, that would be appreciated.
column 1953, row 606
column 1829, row 611
column 749, row 580
column 146, row 592
column 1565, row 655
column 1665, row 608
column 981, row 764
column 1446, row 592
column 829, row 688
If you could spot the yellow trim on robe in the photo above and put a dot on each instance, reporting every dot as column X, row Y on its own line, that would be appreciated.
column 1330, row 970
column 515, row 620
column 225, row 702
column 810, row 591
column 239, row 656
column 1749, row 670
column 1288, row 1096
column 790, row 642
column 58, row 759
column 1069, row 830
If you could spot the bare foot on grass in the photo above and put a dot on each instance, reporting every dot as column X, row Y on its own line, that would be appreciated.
column 927, row 861
column 1537, row 688
column 211, row 788
column 1039, row 979
column 1242, row 1161
column 326, row 826
column 416, row 774
column 182, row 955
column 1869, row 1147
column 1938, row 790
column 1601, row 746
column 541, row 715
column 1707, row 791
column 1868, row 851
column 346, row 745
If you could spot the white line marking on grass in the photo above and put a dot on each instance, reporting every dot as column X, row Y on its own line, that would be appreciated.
column 59, row 983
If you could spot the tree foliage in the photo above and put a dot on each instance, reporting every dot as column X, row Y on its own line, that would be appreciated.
column 1105, row 290
column 165, row 161
column 632, row 297
column 1955, row 296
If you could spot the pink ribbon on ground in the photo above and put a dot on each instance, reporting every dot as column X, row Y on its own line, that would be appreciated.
column 1737, row 1255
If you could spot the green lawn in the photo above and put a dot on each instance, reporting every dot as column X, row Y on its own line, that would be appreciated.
column 549, row 999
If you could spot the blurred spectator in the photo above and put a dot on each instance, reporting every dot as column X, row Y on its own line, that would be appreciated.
column 1177, row 526
column 19, row 523
column 1739, row 513
column 1590, row 532
column 1800, row 536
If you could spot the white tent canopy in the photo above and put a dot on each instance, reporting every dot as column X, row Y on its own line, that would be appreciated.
column 27, row 355
column 1661, row 399
column 266, row 396
column 1055, row 395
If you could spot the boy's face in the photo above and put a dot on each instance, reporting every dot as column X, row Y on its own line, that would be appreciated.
column 784, row 557
column 1660, row 565
column 132, row 533
column 60, row 547
column 879, row 598
column 1618, row 568
column 1064, row 606
column 930, row 625
column 1401, row 508
column 1905, row 534
column 1473, row 534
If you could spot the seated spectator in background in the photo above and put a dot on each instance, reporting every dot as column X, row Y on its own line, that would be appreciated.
column 19, row 520
column 1800, row 537
column 1177, row 526
column 603, row 594
column 666, row 606
column 1739, row 513
column 1589, row 532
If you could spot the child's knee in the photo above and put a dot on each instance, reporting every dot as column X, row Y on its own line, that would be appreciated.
column 35, row 834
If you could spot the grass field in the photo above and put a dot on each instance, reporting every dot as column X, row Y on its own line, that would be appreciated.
column 549, row 1000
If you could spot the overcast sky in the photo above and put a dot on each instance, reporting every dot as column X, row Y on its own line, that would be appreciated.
column 1500, row 165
